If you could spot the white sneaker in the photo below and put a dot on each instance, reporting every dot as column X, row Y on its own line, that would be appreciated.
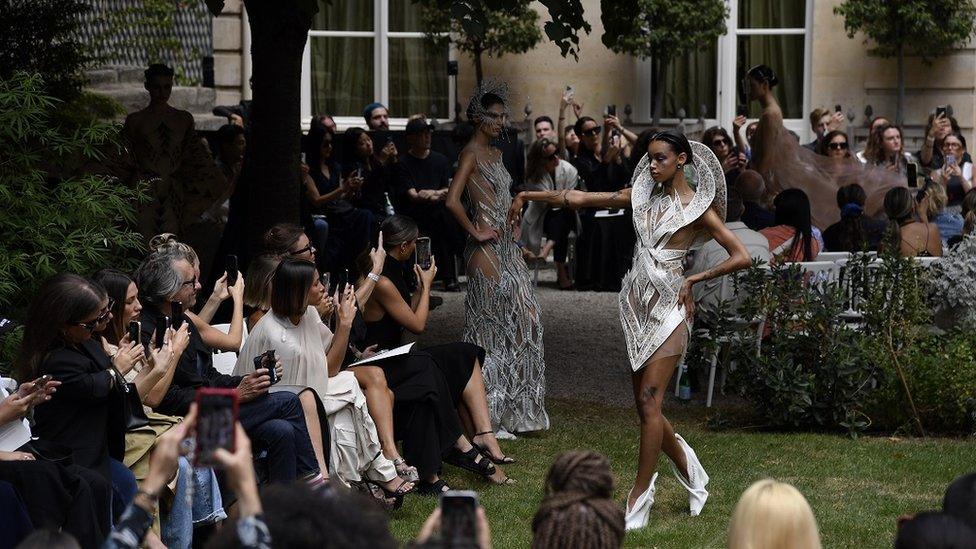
column 697, row 494
column 638, row 516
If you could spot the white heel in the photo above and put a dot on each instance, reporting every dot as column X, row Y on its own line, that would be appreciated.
column 697, row 494
column 638, row 516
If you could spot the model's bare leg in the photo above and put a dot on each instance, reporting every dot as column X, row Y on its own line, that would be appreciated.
column 307, row 398
column 476, row 403
column 650, row 384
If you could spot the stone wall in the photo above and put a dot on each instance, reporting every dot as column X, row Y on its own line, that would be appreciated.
column 228, row 46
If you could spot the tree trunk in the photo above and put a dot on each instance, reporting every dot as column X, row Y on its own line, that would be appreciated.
column 271, row 167
column 659, row 67
column 478, row 71
column 901, row 84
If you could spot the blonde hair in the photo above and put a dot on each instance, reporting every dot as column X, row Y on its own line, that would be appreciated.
column 937, row 199
column 773, row 515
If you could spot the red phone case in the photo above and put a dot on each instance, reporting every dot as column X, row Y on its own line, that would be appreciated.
column 202, row 455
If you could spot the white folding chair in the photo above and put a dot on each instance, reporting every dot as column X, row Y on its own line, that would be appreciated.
column 821, row 272
column 224, row 361
column 927, row 262
column 832, row 256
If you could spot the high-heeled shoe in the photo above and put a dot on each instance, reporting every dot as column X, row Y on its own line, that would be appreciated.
column 638, row 516
column 696, row 481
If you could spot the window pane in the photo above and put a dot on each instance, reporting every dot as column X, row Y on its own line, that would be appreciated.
column 772, row 14
column 405, row 16
column 344, row 15
column 342, row 75
column 690, row 83
column 784, row 54
column 418, row 78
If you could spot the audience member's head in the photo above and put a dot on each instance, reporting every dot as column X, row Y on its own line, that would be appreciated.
column 167, row 243
column 937, row 199
column 377, row 116
column 167, row 276
column 288, row 240
column 773, row 515
column 291, row 287
column 960, row 499
column 578, row 508
column 324, row 121
column 49, row 539
column 969, row 212
column 159, row 82
column 358, row 145
column 588, row 131
column 257, row 281
column 66, row 311
column 124, row 293
column 760, row 81
column 934, row 530
column 320, row 147
column 542, row 159
column 571, row 137
column 850, row 201
column 544, row 128
column 418, row 135
column 399, row 233
column 734, row 207
column 819, row 120
column 230, row 144
column 835, row 145
column 717, row 139
column 751, row 186
column 887, row 145
column 792, row 208
column 899, row 206
column 953, row 146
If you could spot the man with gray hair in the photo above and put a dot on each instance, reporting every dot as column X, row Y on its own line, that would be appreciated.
column 274, row 421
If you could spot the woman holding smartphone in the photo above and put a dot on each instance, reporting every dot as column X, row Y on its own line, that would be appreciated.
column 956, row 174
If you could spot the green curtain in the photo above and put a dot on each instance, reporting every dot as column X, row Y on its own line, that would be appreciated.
column 783, row 53
column 772, row 14
column 690, row 82
column 342, row 68
column 418, row 78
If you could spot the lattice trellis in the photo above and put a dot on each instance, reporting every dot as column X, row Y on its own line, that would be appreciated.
column 120, row 32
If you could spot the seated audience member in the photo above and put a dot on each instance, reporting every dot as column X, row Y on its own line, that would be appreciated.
column 968, row 217
column 936, row 129
column 822, row 122
column 956, row 173
column 717, row 139
column 423, row 177
column 578, row 509
column 872, row 141
column 752, row 189
column 960, row 499
column 835, row 145
column 950, row 224
column 791, row 238
column 275, row 421
column 257, row 287
column 887, row 149
column 854, row 232
column 330, row 190
column 312, row 355
column 84, row 415
column 544, row 128
column 545, row 171
column 708, row 294
column 377, row 116
column 433, row 384
column 325, row 121
column 773, row 515
column 375, row 192
column 909, row 232
column 934, row 530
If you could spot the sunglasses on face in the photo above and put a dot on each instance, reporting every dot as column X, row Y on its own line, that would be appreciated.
column 306, row 249
column 100, row 319
column 720, row 142
column 595, row 130
column 842, row 146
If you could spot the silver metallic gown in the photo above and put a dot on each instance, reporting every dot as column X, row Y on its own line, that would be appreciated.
column 654, row 322
column 501, row 310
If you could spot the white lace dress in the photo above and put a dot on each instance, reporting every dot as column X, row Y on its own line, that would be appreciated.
column 654, row 322
column 501, row 310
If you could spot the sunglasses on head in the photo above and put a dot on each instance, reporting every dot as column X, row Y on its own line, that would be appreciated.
column 102, row 317
column 842, row 146
column 595, row 130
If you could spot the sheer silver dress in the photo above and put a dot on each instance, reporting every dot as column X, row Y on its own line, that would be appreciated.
column 502, row 313
column 654, row 322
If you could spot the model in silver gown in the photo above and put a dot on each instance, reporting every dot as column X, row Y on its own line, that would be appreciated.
column 501, row 310
column 654, row 323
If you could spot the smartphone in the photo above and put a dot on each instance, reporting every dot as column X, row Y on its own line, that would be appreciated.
column 341, row 282
column 742, row 110
column 267, row 360
column 303, row 157
column 837, row 108
column 135, row 330
column 911, row 174
column 569, row 92
column 423, row 252
column 177, row 314
column 162, row 324
column 216, row 421
column 941, row 111
column 40, row 382
column 611, row 110
column 230, row 267
column 459, row 518
column 950, row 160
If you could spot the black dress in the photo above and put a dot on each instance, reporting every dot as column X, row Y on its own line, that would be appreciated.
column 427, row 385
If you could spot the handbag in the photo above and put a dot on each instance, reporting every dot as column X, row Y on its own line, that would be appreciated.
column 132, row 410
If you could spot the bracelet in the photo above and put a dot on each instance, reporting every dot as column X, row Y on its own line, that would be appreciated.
column 373, row 277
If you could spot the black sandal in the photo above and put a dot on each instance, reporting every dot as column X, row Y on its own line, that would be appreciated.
column 432, row 488
column 469, row 462
column 504, row 460
column 400, row 491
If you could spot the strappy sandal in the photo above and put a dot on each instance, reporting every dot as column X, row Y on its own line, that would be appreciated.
column 483, row 450
column 406, row 472
column 469, row 462
column 432, row 488
column 399, row 492
column 377, row 494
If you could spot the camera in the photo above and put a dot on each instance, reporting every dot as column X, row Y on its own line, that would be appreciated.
column 267, row 360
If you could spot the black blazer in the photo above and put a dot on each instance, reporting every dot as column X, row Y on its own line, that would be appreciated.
column 86, row 413
column 194, row 370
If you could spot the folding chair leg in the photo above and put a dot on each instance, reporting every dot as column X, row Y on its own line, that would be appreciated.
column 711, row 379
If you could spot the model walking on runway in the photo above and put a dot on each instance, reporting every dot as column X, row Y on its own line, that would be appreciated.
column 678, row 201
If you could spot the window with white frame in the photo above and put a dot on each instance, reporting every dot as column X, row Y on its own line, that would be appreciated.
column 707, row 82
column 360, row 51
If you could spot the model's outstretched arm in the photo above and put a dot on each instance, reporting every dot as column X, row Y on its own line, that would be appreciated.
column 738, row 258
column 568, row 199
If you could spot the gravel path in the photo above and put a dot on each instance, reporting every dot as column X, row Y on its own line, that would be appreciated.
column 585, row 354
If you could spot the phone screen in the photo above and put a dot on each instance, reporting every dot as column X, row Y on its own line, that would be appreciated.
column 340, row 283
column 230, row 267
column 423, row 252
column 134, row 331
column 742, row 110
column 177, row 314
column 216, row 419
column 941, row 111
column 162, row 324
column 459, row 518
column 837, row 108
column 612, row 110
column 911, row 173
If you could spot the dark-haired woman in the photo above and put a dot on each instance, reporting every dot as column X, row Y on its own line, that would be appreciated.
column 854, row 232
column 375, row 169
column 502, row 314
column 834, row 145
column 888, row 149
column 791, row 238
column 909, row 232
column 84, row 415
column 733, row 161
column 657, row 302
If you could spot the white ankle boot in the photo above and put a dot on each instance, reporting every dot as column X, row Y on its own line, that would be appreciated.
column 696, row 481
column 638, row 516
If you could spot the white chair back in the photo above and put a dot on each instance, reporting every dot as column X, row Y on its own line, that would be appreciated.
column 833, row 256
column 821, row 272
column 224, row 361
column 927, row 262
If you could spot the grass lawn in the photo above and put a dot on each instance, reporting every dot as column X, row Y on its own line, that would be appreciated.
column 857, row 488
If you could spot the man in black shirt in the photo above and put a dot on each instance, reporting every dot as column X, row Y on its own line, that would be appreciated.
column 422, row 179
column 274, row 421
